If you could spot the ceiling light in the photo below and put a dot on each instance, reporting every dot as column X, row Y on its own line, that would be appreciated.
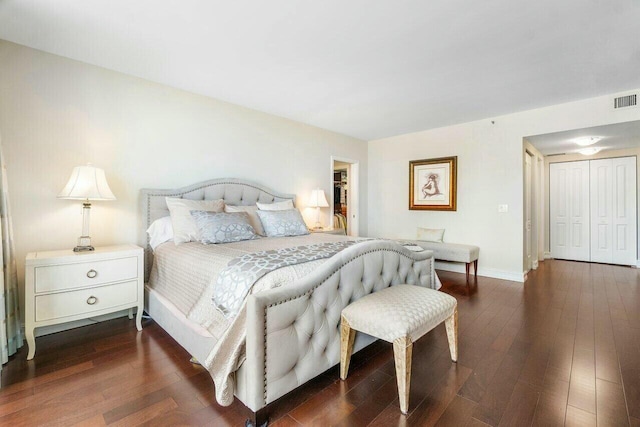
column 589, row 151
column 587, row 140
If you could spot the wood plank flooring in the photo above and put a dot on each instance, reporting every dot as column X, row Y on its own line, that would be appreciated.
column 562, row 349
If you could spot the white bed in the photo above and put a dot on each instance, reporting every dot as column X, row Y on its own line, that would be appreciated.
column 291, row 332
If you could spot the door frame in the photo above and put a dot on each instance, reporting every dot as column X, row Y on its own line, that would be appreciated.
column 536, row 209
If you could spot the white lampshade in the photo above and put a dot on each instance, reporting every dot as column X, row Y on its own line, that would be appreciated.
column 87, row 183
column 318, row 199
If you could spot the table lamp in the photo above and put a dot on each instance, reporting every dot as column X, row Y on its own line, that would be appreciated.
column 318, row 200
column 86, row 183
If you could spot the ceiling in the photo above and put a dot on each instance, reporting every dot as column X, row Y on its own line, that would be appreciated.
column 368, row 69
column 614, row 137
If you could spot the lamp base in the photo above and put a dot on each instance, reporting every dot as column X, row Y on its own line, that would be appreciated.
column 84, row 244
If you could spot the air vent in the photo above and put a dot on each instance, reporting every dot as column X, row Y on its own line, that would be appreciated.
column 625, row 101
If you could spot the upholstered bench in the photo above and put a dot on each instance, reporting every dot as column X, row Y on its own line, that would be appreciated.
column 400, row 314
column 453, row 252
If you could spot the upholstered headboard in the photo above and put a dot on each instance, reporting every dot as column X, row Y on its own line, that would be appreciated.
column 232, row 190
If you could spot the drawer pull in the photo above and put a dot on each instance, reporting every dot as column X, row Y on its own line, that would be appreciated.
column 92, row 273
column 92, row 300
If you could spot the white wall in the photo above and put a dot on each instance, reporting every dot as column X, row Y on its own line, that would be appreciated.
column 56, row 113
column 490, row 172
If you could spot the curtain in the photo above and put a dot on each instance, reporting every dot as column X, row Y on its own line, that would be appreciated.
column 11, row 337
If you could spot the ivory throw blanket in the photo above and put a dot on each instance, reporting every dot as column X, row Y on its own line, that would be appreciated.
column 235, row 282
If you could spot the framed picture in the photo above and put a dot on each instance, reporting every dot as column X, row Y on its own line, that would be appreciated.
column 432, row 184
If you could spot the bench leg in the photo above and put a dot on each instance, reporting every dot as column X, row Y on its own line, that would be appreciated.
column 347, row 336
column 452, row 334
column 475, row 268
column 402, row 350
column 468, row 268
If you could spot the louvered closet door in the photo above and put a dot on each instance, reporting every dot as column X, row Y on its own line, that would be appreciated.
column 569, row 210
column 613, row 210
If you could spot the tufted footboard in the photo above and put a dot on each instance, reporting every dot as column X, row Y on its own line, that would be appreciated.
column 293, row 332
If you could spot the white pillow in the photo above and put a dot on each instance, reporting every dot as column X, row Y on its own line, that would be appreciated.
column 184, row 226
column 430, row 235
column 276, row 206
column 253, row 216
column 160, row 231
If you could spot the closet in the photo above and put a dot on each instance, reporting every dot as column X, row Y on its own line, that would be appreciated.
column 592, row 210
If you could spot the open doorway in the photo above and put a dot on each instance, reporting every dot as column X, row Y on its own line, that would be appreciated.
column 532, row 206
column 344, row 200
column 587, row 207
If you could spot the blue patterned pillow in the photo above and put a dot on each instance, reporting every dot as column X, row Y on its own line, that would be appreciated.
column 283, row 223
column 223, row 227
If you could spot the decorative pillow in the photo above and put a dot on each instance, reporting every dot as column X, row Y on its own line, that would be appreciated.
column 253, row 216
column 184, row 226
column 283, row 223
column 276, row 206
column 223, row 227
column 160, row 231
column 430, row 235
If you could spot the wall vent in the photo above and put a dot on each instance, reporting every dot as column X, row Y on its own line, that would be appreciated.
column 625, row 101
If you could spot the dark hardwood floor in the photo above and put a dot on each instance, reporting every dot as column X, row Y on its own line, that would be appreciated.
column 562, row 349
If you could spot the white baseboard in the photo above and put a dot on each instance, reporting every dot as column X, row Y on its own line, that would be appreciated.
column 638, row 263
column 485, row 272
column 535, row 264
column 547, row 255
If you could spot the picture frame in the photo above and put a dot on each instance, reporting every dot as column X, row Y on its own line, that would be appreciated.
column 433, row 184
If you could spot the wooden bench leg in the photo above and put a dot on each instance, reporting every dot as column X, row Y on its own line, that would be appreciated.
column 402, row 350
column 475, row 268
column 347, row 336
column 452, row 334
column 468, row 268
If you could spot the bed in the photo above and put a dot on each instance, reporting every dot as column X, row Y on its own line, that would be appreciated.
column 285, row 334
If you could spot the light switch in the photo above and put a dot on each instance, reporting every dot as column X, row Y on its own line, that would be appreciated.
column 503, row 208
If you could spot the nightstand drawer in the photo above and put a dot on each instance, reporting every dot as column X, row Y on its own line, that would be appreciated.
column 83, row 301
column 88, row 273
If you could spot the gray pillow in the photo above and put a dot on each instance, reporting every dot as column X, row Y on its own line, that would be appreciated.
column 283, row 223
column 223, row 227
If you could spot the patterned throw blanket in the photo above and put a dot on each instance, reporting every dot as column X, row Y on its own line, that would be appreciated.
column 236, row 280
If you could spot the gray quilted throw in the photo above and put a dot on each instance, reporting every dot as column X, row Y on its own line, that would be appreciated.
column 238, row 277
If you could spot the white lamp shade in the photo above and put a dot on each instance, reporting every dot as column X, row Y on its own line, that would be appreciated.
column 87, row 183
column 318, row 199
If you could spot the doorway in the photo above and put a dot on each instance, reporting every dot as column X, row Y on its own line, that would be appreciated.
column 344, row 200
column 587, row 209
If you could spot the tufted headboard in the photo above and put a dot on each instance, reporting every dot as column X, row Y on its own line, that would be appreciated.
column 232, row 190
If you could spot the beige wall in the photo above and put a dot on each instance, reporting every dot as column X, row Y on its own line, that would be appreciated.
column 578, row 157
column 56, row 113
column 490, row 172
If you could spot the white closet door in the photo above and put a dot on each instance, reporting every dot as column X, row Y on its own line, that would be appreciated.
column 569, row 210
column 601, row 177
column 624, row 211
column 613, row 211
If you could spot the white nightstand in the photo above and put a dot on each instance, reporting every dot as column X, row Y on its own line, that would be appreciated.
column 63, row 286
column 338, row 231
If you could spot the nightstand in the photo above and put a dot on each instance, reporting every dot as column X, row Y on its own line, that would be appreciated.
column 64, row 286
column 338, row 231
